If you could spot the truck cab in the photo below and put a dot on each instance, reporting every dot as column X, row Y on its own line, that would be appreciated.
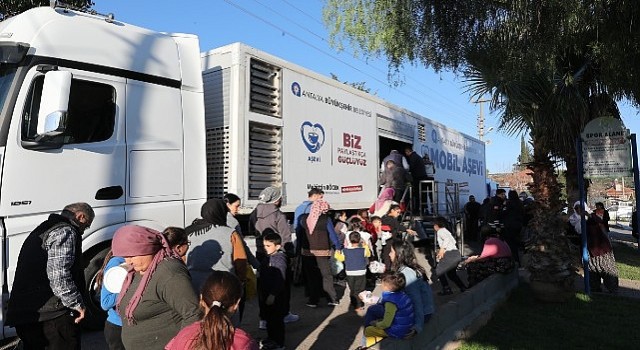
column 98, row 111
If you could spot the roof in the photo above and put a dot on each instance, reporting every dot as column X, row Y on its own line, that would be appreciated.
column 82, row 37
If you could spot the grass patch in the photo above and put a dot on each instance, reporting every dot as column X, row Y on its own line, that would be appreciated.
column 627, row 260
column 597, row 322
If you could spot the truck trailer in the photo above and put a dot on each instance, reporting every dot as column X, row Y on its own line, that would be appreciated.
column 270, row 122
column 144, row 127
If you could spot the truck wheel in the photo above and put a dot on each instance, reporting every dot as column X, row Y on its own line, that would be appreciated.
column 94, row 316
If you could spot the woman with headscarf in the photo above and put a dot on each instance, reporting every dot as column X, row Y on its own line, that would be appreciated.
column 233, row 207
column 602, row 262
column 214, row 245
column 394, row 176
column 603, row 214
column 316, row 238
column 156, row 299
column 496, row 257
column 268, row 215
column 385, row 199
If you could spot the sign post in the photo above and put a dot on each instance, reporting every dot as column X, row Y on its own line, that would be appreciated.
column 636, row 180
column 583, row 221
column 606, row 148
column 605, row 151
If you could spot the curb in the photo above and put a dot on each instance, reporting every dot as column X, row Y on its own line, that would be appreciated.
column 459, row 318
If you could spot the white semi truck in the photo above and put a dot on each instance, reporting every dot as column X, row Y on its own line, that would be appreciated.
column 145, row 128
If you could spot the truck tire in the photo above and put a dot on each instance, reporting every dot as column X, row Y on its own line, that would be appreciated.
column 94, row 316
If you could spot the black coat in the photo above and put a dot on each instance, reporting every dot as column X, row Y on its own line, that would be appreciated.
column 32, row 299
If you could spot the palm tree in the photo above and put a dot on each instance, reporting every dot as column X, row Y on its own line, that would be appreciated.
column 532, row 104
column 581, row 96
column 554, row 109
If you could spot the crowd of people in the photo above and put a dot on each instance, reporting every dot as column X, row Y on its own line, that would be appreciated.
column 186, row 288
column 501, row 223
column 508, row 213
column 602, row 263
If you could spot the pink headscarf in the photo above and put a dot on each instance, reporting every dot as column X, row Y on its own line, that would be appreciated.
column 318, row 208
column 385, row 195
column 132, row 240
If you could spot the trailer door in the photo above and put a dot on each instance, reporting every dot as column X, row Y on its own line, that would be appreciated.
column 394, row 129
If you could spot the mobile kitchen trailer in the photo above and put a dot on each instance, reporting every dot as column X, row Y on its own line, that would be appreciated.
column 271, row 122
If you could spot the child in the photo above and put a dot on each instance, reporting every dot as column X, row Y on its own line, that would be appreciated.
column 178, row 240
column 271, row 290
column 381, row 237
column 113, row 323
column 340, row 227
column 448, row 257
column 403, row 260
column 355, row 257
column 219, row 298
column 357, row 225
column 376, row 225
column 393, row 315
column 363, row 215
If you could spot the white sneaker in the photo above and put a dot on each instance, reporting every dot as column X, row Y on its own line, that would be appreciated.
column 263, row 324
column 291, row 318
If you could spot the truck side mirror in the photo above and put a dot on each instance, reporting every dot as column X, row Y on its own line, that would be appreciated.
column 54, row 103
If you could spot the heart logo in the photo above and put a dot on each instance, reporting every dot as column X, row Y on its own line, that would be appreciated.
column 312, row 136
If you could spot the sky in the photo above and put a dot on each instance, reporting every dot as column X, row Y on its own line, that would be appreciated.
column 294, row 30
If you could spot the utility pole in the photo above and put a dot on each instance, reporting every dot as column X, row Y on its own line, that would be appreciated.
column 481, row 119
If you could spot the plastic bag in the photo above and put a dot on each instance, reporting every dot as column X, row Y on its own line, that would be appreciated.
column 368, row 298
column 377, row 267
column 336, row 266
column 385, row 236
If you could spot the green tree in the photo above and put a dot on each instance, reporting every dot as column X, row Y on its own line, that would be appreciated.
column 445, row 34
column 361, row 85
column 583, row 55
column 10, row 8
column 549, row 67
column 525, row 154
column 531, row 105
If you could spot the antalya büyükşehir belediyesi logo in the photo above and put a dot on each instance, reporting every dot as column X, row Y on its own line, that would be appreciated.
column 295, row 89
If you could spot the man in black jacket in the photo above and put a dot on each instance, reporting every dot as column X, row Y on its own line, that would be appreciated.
column 418, row 173
column 496, row 207
column 472, row 214
column 46, row 302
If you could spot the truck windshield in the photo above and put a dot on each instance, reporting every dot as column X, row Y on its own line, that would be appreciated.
column 7, row 73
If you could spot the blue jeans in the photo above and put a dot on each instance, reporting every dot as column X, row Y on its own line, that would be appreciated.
column 374, row 312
